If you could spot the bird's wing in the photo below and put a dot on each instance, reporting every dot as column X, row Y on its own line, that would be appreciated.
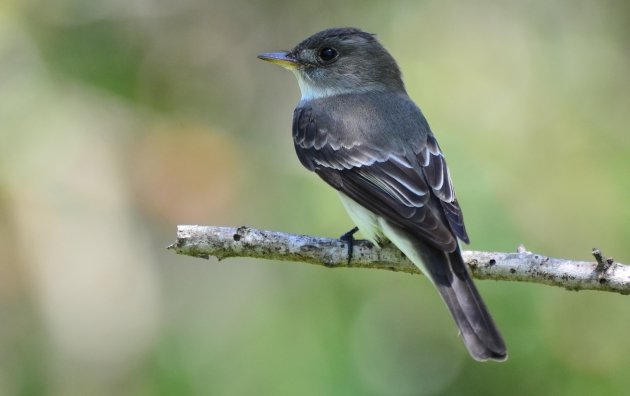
column 408, row 186
column 391, row 164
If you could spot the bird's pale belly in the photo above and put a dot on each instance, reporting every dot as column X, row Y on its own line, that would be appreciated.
column 378, row 230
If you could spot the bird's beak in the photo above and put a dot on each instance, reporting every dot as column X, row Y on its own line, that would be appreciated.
column 280, row 58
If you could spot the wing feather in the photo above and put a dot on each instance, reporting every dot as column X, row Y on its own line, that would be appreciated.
column 409, row 186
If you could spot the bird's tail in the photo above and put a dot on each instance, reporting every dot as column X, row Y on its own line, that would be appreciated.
column 450, row 276
column 452, row 279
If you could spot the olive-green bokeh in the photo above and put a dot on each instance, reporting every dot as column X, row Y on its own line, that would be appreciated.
column 121, row 119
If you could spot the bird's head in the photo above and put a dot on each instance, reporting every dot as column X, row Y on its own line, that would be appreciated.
column 340, row 60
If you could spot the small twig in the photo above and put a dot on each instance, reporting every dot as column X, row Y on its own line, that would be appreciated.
column 602, row 265
column 600, row 260
column 523, row 266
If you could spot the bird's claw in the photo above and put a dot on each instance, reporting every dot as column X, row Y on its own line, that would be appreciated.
column 348, row 237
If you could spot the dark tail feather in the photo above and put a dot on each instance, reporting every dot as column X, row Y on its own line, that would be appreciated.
column 451, row 277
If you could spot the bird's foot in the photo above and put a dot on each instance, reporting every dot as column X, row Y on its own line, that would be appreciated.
column 348, row 238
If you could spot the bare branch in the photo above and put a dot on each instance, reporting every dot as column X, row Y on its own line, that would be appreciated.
column 522, row 266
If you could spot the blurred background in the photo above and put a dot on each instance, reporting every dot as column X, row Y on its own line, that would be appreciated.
column 121, row 119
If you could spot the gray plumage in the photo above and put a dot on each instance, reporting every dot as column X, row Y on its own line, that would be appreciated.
column 359, row 131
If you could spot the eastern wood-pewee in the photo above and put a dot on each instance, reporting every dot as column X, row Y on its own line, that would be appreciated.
column 356, row 127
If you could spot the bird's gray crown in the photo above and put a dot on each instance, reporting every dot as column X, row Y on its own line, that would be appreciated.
column 344, row 60
column 334, row 33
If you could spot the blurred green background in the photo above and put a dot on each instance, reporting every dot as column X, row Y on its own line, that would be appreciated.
column 121, row 119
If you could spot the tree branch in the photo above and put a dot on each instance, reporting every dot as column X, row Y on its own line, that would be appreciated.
column 523, row 266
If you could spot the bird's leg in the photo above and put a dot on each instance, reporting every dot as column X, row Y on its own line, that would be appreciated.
column 348, row 237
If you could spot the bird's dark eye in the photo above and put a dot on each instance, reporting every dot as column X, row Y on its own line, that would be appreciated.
column 327, row 54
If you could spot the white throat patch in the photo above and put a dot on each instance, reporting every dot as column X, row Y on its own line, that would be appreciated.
column 310, row 91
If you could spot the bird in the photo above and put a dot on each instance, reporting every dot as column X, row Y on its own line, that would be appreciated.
column 356, row 128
